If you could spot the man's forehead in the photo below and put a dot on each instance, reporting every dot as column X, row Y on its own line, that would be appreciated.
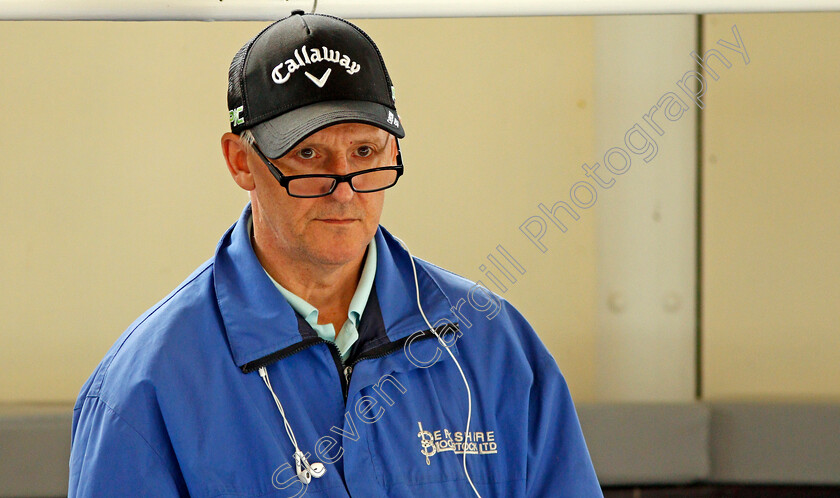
column 347, row 132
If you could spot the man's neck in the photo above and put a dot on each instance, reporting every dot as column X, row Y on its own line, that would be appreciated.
column 329, row 288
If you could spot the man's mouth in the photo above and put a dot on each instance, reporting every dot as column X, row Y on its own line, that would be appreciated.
column 337, row 221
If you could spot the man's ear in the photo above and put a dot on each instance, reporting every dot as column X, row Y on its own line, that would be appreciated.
column 236, row 155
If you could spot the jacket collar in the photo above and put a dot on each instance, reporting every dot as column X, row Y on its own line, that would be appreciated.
column 259, row 322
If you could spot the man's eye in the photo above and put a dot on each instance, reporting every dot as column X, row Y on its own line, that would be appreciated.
column 364, row 151
column 306, row 153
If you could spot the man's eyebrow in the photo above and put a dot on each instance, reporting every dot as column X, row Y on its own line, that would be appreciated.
column 381, row 143
column 374, row 139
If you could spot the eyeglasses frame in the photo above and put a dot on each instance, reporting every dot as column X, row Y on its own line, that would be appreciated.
column 284, row 180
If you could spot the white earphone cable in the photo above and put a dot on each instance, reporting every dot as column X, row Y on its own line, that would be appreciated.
column 289, row 432
column 464, row 377
column 305, row 470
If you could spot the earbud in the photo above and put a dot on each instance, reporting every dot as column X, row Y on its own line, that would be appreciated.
column 302, row 472
column 305, row 471
column 317, row 469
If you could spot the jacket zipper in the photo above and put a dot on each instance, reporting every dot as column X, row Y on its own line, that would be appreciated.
column 390, row 349
column 348, row 369
column 345, row 371
column 253, row 366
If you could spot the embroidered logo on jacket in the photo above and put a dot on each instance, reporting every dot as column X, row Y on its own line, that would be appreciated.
column 473, row 443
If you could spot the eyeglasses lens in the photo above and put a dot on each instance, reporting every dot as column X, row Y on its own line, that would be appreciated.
column 366, row 182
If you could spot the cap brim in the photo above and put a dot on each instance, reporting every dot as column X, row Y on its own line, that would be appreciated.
column 279, row 135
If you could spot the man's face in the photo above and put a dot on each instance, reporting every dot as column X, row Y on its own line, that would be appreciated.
column 330, row 230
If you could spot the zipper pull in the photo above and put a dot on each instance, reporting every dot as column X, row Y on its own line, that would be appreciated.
column 347, row 371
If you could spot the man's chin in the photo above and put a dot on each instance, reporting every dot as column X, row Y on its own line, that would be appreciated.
column 335, row 259
column 340, row 251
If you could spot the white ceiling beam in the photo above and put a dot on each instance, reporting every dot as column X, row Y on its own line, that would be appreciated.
column 262, row 10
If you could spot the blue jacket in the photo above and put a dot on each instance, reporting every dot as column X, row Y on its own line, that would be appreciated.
column 177, row 407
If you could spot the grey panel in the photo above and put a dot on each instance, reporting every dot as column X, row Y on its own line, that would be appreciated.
column 647, row 443
column 776, row 443
column 34, row 449
column 630, row 444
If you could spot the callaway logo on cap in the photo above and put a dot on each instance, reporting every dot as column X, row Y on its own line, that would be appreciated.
column 317, row 55
column 304, row 73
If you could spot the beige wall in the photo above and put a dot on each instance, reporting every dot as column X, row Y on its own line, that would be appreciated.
column 114, row 189
column 772, row 212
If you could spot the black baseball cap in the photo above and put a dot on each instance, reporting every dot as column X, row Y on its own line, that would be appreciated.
column 304, row 73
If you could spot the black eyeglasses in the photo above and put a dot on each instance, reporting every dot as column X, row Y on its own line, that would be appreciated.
column 365, row 181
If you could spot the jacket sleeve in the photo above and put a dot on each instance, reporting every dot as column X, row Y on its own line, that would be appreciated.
column 108, row 457
column 558, row 460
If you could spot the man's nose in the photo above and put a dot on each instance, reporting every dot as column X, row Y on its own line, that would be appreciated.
column 343, row 192
column 342, row 166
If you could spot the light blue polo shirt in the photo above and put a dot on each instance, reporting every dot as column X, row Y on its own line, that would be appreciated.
column 349, row 333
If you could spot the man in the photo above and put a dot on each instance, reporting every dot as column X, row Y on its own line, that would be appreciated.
column 312, row 354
